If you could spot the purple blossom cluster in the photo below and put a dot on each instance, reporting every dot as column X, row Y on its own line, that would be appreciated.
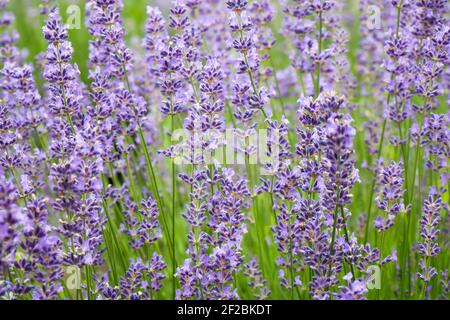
column 96, row 178
column 215, row 256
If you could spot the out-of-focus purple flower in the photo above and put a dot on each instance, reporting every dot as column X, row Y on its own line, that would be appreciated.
column 257, row 282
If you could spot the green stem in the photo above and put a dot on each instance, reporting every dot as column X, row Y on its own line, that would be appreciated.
column 347, row 238
column 134, row 194
column 424, row 289
column 247, row 65
column 380, row 260
column 173, row 213
column 380, row 146
column 372, row 187
column 277, row 85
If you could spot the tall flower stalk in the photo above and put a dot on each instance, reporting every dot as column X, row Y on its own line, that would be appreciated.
column 239, row 149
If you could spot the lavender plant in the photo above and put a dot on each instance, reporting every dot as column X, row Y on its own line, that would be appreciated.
column 204, row 149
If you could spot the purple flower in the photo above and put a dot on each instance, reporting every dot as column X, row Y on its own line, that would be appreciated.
column 237, row 5
column 429, row 232
column 215, row 257
column 143, row 226
column 257, row 281
column 390, row 195
column 338, row 163
column 355, row 290
column 10, row 220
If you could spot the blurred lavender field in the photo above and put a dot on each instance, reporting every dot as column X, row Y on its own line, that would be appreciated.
column 213, row 149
